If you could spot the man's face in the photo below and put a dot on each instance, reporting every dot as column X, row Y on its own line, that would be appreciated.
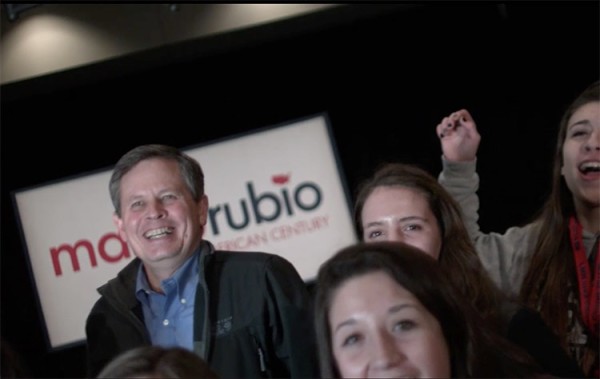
column 160, row 220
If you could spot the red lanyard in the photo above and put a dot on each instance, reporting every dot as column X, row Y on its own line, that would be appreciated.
column 589, row 288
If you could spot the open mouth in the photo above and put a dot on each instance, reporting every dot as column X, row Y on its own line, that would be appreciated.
column 589, row 167
column 158, row 233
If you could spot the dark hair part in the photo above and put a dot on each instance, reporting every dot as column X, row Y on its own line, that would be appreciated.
column 475, row 349
column 551, row 273
column 158, row 362
column 189, row 169
column 458, row 255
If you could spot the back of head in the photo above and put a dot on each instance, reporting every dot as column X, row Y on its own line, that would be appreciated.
column 158, row 362
column 11, row 362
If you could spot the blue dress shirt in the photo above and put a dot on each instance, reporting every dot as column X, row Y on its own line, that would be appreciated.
column 169, row 316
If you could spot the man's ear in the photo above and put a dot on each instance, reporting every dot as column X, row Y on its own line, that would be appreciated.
column 120, row 229
column 203, row 210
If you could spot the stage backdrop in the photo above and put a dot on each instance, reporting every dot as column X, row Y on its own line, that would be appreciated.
column 280, row 189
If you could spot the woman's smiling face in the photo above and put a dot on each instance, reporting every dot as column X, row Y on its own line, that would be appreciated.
column 395, row 213
column 380, row 330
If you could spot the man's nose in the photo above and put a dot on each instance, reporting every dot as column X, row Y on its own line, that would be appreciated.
column 156, row 210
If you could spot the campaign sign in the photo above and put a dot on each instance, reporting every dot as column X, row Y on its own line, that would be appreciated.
column 279, row 190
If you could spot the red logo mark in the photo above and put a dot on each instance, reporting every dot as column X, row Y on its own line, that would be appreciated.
column 280, row 179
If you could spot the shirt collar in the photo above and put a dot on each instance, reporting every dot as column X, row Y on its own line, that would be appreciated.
column 181, row 276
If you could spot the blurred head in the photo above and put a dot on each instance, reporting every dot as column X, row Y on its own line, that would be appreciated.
column 160, row 206
column 386, row 309
column 158, row 362
column 577, row 155
column 11, row 363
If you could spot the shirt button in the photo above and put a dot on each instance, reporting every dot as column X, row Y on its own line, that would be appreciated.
column 183, row 301
column 165, row 322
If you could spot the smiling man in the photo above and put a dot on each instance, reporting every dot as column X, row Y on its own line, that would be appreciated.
column 245, row 313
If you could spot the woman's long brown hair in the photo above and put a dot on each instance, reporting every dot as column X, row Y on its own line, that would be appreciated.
column 458, row 254
column 551, row 272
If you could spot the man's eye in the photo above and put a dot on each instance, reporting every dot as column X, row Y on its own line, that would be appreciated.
column 137, row 204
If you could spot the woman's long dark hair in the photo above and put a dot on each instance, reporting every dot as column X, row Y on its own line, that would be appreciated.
column 551, row 273
column 458, row 255
column 476, row 349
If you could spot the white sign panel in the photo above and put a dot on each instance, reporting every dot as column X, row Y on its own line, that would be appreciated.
column 278, row 190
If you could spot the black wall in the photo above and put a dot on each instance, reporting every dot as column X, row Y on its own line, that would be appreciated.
column 385, row 80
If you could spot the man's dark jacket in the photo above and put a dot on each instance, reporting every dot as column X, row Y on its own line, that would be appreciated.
column 252, row 317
